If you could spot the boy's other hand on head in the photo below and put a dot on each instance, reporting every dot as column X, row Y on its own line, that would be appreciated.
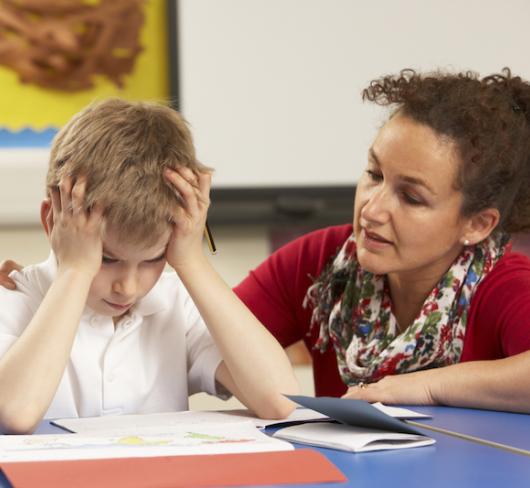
column 74, row 231
column 5, row 268
column 189, row 216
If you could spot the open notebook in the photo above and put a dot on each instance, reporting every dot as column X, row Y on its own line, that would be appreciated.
column 355, row 425
column 134, row 423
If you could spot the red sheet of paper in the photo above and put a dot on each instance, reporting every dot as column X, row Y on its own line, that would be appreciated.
column 299, row 466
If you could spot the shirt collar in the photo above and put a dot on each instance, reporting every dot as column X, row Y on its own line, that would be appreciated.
column 155, row 301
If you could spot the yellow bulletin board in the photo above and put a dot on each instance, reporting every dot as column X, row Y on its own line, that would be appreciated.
column 30, row 106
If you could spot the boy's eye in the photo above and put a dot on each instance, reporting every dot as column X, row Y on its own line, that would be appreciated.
column 157, row 259
column 108, row 260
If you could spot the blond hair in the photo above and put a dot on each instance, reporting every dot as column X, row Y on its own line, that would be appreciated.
column 122, row 148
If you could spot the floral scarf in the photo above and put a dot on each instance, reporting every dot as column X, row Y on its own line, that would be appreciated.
column 352, row 308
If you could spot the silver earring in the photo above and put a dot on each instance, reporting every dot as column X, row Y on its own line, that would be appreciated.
column 466, row 243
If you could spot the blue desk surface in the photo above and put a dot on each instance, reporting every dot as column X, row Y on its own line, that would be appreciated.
column 512, row 429
column 449, row 462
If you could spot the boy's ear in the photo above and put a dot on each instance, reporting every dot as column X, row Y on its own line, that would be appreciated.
column 480, row 226
column 46, row 215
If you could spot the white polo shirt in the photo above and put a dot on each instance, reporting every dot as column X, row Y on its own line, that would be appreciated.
column 159, row 353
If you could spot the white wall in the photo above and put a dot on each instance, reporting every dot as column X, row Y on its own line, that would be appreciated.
column 272, row 87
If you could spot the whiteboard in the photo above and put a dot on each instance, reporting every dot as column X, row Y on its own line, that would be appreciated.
column 272, row 88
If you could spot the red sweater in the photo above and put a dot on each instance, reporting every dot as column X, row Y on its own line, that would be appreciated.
column 498, row 320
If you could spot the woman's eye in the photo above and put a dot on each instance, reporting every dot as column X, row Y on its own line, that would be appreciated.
column 412, row 199
column 374, row 175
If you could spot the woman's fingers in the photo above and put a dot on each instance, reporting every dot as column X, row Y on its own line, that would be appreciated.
column 9, row 265
column 5, row 268
column 7, row 282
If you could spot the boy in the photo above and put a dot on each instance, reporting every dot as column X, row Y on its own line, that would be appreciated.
column 98, row 328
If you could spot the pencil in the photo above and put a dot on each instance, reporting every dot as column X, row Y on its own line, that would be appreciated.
column 209, row 238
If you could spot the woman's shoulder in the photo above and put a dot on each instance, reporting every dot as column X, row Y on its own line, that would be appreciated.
column 512, row 271
column 499, row 316
column 508, row 281
column 298, row 260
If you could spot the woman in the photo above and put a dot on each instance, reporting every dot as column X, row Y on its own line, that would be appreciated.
column 421, row 300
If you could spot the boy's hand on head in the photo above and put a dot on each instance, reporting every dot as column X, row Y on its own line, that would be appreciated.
column 189, row 216
column 75, row 232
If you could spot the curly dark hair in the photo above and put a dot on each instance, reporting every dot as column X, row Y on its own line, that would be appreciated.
column 488, row 119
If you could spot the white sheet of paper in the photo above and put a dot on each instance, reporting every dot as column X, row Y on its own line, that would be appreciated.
column 201, row 438
column 135, row 423
column 400, row 413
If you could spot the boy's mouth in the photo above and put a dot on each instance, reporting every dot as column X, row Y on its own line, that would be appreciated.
column 118, row 306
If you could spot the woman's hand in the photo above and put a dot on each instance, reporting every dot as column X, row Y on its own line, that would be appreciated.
column 409, row 389
column 75, row 232
column 189, row 218
column 5, row 268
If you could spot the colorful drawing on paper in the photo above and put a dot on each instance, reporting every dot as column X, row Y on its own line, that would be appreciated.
column 188, row 439
column 57, row 56
column 213, row 438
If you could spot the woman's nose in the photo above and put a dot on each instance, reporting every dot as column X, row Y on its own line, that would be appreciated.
column 376, row 207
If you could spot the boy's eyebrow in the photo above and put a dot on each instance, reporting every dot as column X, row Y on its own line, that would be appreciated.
column 408, row 179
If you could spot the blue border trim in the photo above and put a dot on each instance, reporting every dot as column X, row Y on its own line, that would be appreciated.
column 26, row 138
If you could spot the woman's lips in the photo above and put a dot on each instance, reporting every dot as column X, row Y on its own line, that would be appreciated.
column 375, row 239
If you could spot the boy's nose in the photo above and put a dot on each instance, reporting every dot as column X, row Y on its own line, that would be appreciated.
column 126, row 285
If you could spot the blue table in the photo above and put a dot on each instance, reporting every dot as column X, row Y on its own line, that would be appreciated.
column 449, row 462
column 512, row 429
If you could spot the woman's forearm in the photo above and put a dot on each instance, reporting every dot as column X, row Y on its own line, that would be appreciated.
column 502, row 384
